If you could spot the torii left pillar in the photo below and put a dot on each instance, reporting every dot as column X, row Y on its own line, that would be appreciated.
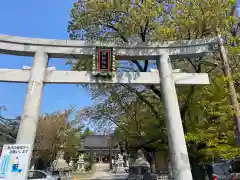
column 31, row 112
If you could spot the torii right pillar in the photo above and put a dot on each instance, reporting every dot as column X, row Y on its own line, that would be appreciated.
column 181, row 168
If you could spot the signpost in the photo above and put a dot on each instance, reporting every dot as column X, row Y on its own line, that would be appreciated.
column 15, row 162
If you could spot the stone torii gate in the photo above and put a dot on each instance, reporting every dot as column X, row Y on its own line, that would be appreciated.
column 39, row 74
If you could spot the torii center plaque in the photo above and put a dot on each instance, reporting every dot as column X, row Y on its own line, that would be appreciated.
column 104, row 64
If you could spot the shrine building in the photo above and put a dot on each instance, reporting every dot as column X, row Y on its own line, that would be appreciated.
column 100, row 146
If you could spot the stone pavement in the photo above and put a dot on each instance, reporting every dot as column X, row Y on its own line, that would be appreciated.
column 103, row 173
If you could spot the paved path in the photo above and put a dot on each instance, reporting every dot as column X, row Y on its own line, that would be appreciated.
column 103, row 173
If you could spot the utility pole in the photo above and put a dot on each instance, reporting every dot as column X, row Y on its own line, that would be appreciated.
column 231, row 87
column 238, row 8
column 227, row 70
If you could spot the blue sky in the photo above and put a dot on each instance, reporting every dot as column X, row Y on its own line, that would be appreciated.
column 40, row 19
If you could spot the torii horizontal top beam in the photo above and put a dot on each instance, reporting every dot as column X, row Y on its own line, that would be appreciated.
column 72, row 48
column 84, row 77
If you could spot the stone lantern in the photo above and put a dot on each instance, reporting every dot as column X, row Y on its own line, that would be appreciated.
column 60, row 166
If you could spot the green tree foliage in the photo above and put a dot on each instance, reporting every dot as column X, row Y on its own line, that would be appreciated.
column 8, row 127
column 137, row 110
column 211, row 122
column 87, row 132
column 55, row 130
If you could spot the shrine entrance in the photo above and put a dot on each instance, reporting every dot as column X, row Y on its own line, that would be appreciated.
column 103, row 159
column 103, row 57
column 99, row 147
